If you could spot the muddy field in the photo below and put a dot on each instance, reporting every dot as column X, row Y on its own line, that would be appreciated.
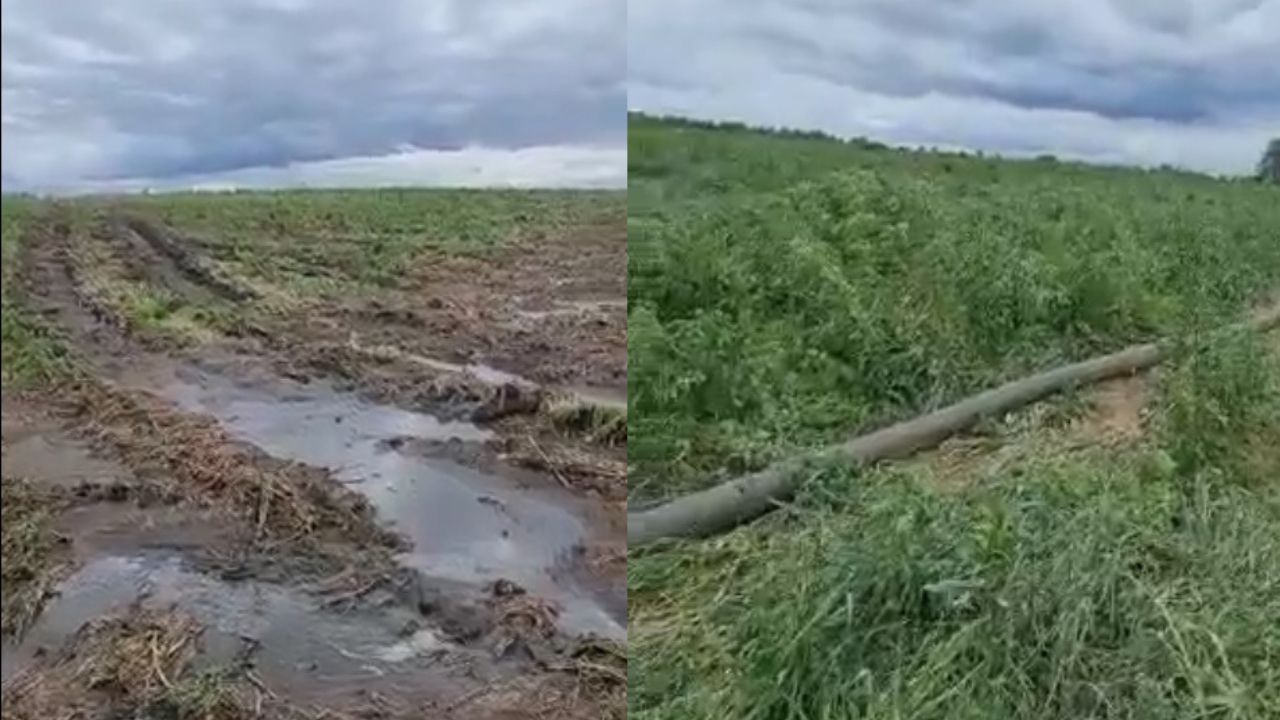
column 241, row 490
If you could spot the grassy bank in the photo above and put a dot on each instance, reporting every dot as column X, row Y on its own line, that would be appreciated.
column 786, row 291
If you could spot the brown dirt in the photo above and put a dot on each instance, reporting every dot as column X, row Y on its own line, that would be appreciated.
column 1117, row 411
column 550, row 308
column 191, row 267
column 1109, row 414
column 479, row 307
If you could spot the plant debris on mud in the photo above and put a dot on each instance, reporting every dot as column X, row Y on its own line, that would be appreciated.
column 102, row 295
column 31, row 549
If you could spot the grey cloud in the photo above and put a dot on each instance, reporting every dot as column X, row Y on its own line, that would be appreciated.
column 137, row 88
column 1131, row 71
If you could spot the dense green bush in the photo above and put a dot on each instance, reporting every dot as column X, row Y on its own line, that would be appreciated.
column 786, row 291
column 766, row 320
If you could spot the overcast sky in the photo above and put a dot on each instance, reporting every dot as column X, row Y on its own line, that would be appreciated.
column 131, row 93
column 1194, row 83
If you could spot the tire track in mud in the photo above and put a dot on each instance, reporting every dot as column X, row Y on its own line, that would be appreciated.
column 579, row 441
column 161, row 443
column 385, row 373
column 278, row 503
column 189, row 265
column 574, row 434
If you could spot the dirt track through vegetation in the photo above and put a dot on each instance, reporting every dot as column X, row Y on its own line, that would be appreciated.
column 351, row 531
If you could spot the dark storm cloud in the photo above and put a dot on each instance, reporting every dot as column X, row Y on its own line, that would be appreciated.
column 138, row 88
column 1132, row 81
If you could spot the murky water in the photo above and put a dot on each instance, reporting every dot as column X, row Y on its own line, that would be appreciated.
column 468, row 529
column 465, row 526
column 53, row 459
column 128, row 555
column 36, row 448
column 294, row 645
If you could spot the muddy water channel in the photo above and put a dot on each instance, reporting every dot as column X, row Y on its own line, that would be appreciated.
column 467, row 528
column 298, row 648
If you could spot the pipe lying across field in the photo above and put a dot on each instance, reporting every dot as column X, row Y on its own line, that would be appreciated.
column 724, row 506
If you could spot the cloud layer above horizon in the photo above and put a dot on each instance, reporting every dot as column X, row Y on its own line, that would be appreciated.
column 1193, row 83
column 267, row 92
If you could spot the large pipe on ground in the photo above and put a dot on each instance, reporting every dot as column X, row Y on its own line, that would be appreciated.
column 724, row 506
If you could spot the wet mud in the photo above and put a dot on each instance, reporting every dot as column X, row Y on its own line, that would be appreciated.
column 551, row 312
column 495, row 581
column 464, row 525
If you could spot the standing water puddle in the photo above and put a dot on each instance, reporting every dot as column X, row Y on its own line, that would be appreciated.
column 465, row 525
column 468, row 529
column 56, row 460
column 131, row 555
column 300, row 648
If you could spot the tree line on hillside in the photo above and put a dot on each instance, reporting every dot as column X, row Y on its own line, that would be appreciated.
column 1268, row 166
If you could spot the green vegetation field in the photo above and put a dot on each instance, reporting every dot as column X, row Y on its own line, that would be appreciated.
column 788, row 290
column 372, row 237
column 293, row 246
